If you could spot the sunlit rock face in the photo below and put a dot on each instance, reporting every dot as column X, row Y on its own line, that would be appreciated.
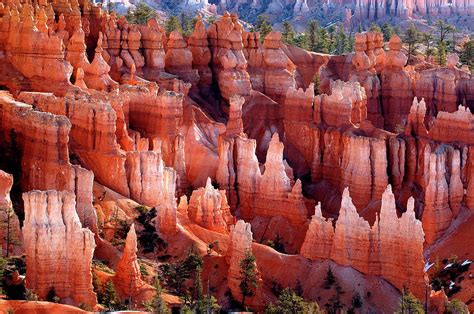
column 58, row 249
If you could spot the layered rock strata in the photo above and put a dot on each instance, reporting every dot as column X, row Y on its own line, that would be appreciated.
column 391, row 248
column 64, row 260
column 208, row 208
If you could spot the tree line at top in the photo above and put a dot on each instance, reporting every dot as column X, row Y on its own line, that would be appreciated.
column 334, row 39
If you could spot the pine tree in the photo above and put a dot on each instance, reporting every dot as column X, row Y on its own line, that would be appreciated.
column 197, row 285
column 443, row 29
column 330, row 279
column 323, row 41
column 467, row 54
column 141, row 14
column 312, row 30
column 287, row 33
column 263, row 26
column 409, row 304
column 187, row 24
column 341, row 42
column 387, row 31
column 412, row 39
column 111, row 299
column 7, row 216
column 375, row 28
column 158, row 305
column 173, row 24
column 248, row 277
column 427, row 38
column 441, row 53
column 456, row 307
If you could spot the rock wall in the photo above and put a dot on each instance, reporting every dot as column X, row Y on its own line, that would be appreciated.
column 58, row 250
column 42, row 141
column 270, row 193
column 208, row 208
column 391, row 248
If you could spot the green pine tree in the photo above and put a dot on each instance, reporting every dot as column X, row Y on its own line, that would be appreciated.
column 375, row 28
column 427, row 39
column 287, row 33
column 323, row 41
column 409, row 304
column 412, row 39
column 263, row 26
column 341, row 44
column 173, row 24
column 111, row 299
column 311, row 30
column 467, row 54
column 443, row 29
column 248, row 277
column 441, row 53
column 141, row 14
column 158, row 305
column 387, row 31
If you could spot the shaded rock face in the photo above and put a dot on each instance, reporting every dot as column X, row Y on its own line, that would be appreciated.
column 271, row 193
column 58, row 250
column 371, row 250
column 10, row 233
column 208, row 208
column 42, row 139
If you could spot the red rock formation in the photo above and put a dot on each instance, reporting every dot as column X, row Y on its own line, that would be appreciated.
column 397, row 87
column 97, row 74
column 58, row 250
column 297, row 120
column 319, row 237
column 198, row 44
column 269, row 194
column 372, row 250
column 178, row 59
column 347, row 104
column 37, row 54
column 436, row 213
column 240, row 242
column 127, row 279
column 279, row 70
column 42, row 139
column 235, row 125
column 153, row 50
column 208, row 208
column 225, row 37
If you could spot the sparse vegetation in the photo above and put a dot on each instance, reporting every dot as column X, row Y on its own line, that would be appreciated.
column 409, row 304
column 248, row 277
column 140, row 14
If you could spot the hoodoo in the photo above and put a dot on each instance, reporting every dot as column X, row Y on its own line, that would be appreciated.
column 155, row 163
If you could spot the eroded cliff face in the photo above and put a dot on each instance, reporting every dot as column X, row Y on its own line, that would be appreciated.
column 208, row 208
column 391, row 248
column 58, row 249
